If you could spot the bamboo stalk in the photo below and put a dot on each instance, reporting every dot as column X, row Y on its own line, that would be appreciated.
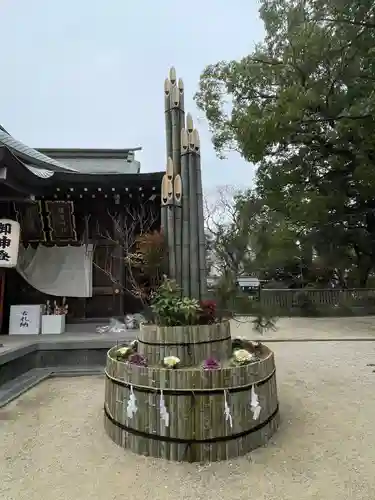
column 181, row 89
column 201, row 235
column 176, row 129
column 171, row 242
column 178, row 228
column 185, row 214
column 171, row 221
column 193, row 213
column 164, row 207
column 168, row 118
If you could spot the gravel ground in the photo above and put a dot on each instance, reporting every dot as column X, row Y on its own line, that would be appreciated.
column 52, row 443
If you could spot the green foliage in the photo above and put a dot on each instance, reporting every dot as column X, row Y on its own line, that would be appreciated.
column 251, row 238
column 225, row 294
column 264, row 321
column 303, row 109
column 230, row 222
column 171, row 309
column 231, row 301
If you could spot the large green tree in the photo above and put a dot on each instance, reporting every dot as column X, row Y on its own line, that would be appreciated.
column 246, row 237
column 302, row 107
column 231, row 217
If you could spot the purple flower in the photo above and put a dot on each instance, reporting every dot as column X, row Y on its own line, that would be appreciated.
column 137, row 359
column 211, row 364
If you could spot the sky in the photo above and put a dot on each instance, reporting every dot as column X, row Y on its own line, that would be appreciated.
column 90, row 73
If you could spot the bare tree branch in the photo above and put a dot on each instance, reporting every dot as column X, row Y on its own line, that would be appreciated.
column 127, row 228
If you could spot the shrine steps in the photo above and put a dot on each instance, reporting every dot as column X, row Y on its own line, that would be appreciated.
column 11, row 390
column 18, row 386
column 25, row 361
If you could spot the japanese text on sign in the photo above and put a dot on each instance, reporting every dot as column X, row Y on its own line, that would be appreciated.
column 9, row 242
column 62, row 220
column 24, row 321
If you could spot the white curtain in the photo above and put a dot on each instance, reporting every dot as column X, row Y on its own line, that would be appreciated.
column 60, row 271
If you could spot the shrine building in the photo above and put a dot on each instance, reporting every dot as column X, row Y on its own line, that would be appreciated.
column 78, row 211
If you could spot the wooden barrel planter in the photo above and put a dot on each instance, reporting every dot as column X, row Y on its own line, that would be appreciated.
column 195, row 400
column 192, row 344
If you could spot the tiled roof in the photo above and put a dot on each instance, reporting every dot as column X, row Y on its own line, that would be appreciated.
column 31, row 156
column 40, row 163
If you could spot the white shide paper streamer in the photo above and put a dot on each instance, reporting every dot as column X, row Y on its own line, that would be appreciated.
column 227, row 413
column 254, row 404
column 132, row 404
column 163, row 410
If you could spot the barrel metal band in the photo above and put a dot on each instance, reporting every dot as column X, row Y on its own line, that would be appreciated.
column 169, row 439
column 184, row 392
column 183, row 344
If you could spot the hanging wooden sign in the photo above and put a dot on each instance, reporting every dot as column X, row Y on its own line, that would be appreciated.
column 30, row 217
column 61, row 221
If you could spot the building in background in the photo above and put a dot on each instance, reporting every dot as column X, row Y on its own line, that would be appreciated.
column 248, row 284
column 75, row 208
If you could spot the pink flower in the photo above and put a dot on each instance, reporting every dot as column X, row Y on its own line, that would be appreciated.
column 211, row 364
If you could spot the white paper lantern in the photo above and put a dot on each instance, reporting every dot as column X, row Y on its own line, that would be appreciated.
column 9, row 242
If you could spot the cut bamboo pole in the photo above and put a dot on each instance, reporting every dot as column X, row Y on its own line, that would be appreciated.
column 168, row 118
column 185, row 214
column 176, row 129
column 181, row 89
column 178, row 227
column 200, row 217
column 171, row 221
column 193, row 219
column 164, row 207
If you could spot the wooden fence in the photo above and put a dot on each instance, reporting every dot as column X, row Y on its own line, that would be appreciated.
column 289, row 298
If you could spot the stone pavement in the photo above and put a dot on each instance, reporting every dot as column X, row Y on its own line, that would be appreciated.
column 287, row 330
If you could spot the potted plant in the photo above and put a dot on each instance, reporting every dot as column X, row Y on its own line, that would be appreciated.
column 171, row 308
column 183, row 328
column 53, row 321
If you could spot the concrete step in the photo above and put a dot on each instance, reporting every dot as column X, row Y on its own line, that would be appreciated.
column 14, row 388
column 76, row 371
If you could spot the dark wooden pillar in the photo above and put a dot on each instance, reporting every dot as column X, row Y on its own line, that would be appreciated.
column 2, row 297
column 118, row 266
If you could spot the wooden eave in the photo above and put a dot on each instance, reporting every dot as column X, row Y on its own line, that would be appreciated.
column 87, row 153
column 16, row 175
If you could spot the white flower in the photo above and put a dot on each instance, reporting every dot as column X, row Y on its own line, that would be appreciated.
column 123, row 351
column 171, row 361
column 134, row 343
column 242, row 356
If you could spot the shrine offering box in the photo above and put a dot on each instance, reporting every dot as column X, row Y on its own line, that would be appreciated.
column 53, row 324
column 25, row 319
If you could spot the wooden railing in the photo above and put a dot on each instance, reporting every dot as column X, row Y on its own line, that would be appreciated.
column 288, row 298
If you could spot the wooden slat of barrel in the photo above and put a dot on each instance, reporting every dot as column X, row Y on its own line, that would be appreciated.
column 192, row 344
